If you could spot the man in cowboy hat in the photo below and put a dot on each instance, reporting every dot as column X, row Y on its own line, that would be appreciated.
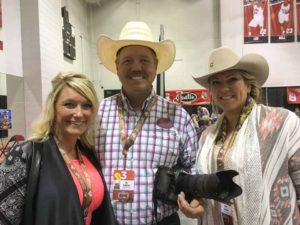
column 140, row 130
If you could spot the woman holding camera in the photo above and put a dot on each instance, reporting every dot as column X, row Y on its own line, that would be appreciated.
column 262, row 143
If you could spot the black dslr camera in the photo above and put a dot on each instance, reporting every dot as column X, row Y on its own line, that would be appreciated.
column 169, row 182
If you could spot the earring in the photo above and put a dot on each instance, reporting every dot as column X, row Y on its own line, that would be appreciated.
column 249, row 99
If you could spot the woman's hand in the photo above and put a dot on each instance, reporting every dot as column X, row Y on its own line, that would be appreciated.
column 195, row 209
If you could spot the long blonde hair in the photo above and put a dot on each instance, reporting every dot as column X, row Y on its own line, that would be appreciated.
column 44, row 125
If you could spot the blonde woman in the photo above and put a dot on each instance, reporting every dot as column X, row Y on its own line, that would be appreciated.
column 54, row 178
column 262, row 143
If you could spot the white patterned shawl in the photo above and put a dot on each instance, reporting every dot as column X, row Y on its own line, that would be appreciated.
column 266, row 153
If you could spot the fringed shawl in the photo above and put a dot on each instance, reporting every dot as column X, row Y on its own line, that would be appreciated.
column 265, row 151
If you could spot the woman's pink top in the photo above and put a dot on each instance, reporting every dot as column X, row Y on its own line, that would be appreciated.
column 97, row 186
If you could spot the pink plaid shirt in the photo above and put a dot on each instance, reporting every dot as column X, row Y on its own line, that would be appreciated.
column 154, row 146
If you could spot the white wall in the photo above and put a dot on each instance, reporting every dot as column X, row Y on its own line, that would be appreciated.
column 3, row 89
column 50, row 25
column 43, row 49
column 32, row 36
column 283, row 58
column 11, row 63
column 15, row 101
column 11, row 55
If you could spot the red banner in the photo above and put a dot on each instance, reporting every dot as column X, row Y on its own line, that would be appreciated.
column 189, row 97
column 255, row 21
column 293, row 95
column 282, row 21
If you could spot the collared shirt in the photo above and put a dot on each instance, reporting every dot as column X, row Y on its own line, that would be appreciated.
column 156, row 144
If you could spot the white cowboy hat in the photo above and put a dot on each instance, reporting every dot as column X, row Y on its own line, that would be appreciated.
column 223, row 59
column 135, row 33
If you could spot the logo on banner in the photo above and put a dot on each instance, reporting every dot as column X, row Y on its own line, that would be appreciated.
column 293, row 95
column 189, row 97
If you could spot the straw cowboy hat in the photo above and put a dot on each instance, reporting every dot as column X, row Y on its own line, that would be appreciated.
column 135, row 33
column 223, row 59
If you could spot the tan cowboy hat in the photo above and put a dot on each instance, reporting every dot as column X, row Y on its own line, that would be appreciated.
column 223, row 59
column 135, row 33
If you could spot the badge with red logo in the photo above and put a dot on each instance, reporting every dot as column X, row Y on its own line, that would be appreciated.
column 123, row 185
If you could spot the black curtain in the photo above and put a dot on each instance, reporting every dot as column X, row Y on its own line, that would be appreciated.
column 277, row 97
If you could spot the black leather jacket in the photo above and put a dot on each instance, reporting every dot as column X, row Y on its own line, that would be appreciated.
column 51, row 195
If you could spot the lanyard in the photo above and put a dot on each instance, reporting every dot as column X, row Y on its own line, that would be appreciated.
column 85, row 184
column 127, row 142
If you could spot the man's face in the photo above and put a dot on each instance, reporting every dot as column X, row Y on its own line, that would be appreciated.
column 136, row 68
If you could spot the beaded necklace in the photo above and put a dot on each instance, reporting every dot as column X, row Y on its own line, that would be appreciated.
column 222, row 135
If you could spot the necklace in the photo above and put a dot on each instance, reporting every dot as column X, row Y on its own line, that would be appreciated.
column 223, row 136
column 85, row 184
column 224, row 145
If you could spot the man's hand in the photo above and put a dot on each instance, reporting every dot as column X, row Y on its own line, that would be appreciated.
column 195, row 209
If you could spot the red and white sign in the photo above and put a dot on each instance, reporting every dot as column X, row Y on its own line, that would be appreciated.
column 293, row 95
column 282, row 21
column 255, row 21
column 189, row 97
